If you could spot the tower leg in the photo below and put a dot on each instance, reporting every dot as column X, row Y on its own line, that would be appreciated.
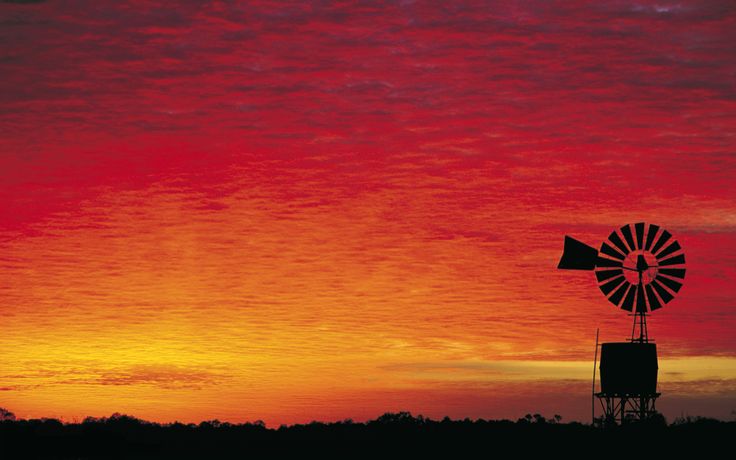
column 624, row 409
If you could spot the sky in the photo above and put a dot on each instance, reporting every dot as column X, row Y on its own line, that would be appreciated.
column 318, row 211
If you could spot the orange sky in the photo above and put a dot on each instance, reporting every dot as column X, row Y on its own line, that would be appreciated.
column 291, row 214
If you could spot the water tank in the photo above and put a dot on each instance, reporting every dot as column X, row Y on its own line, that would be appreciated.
column 628, row 368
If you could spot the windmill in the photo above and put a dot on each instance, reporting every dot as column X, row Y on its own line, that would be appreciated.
column 639, row 268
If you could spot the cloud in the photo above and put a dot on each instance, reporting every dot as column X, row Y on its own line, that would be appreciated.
column 163, row 376
column 694, row 388
column 500, row 371
column 210, row 205
column 477, row 235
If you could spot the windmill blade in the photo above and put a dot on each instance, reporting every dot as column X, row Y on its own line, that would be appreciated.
column 673, row 272
column 619, row 294
column 611, row 285
column 628, row 304
column 603, row 275
column 654, row 303
column 616, row 240
column 609, row 251
column 639, row 228
column 675, row 246
column 672, row 284
column 603, row 262
column 626, row 230
column 662, row 240
column 666, row 296
column 677, row 260
column 653, row 229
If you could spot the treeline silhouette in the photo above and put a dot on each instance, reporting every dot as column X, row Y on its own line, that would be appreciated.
column 124, row 436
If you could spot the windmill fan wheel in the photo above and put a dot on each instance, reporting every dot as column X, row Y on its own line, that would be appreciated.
column 640, row 266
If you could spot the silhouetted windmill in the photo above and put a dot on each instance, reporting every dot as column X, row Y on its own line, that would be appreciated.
column 640, row 272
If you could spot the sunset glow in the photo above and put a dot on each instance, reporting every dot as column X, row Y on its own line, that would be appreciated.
column 290, row 213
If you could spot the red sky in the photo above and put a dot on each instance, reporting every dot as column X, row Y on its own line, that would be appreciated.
column 290, row 212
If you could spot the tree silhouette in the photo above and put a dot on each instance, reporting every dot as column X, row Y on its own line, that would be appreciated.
column 124, row 436
column 6, row 414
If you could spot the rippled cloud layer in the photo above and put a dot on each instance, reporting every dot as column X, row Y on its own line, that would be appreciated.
column 291, row 211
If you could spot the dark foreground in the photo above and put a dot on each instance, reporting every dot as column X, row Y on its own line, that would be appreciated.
column 126, row 437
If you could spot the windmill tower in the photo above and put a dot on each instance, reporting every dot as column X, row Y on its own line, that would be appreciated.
column 638, row 271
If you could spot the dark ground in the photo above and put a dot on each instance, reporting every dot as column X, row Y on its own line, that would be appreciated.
column 392, row 434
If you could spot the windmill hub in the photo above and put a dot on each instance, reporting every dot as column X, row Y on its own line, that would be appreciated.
column 640, row 264
column 639, row 268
